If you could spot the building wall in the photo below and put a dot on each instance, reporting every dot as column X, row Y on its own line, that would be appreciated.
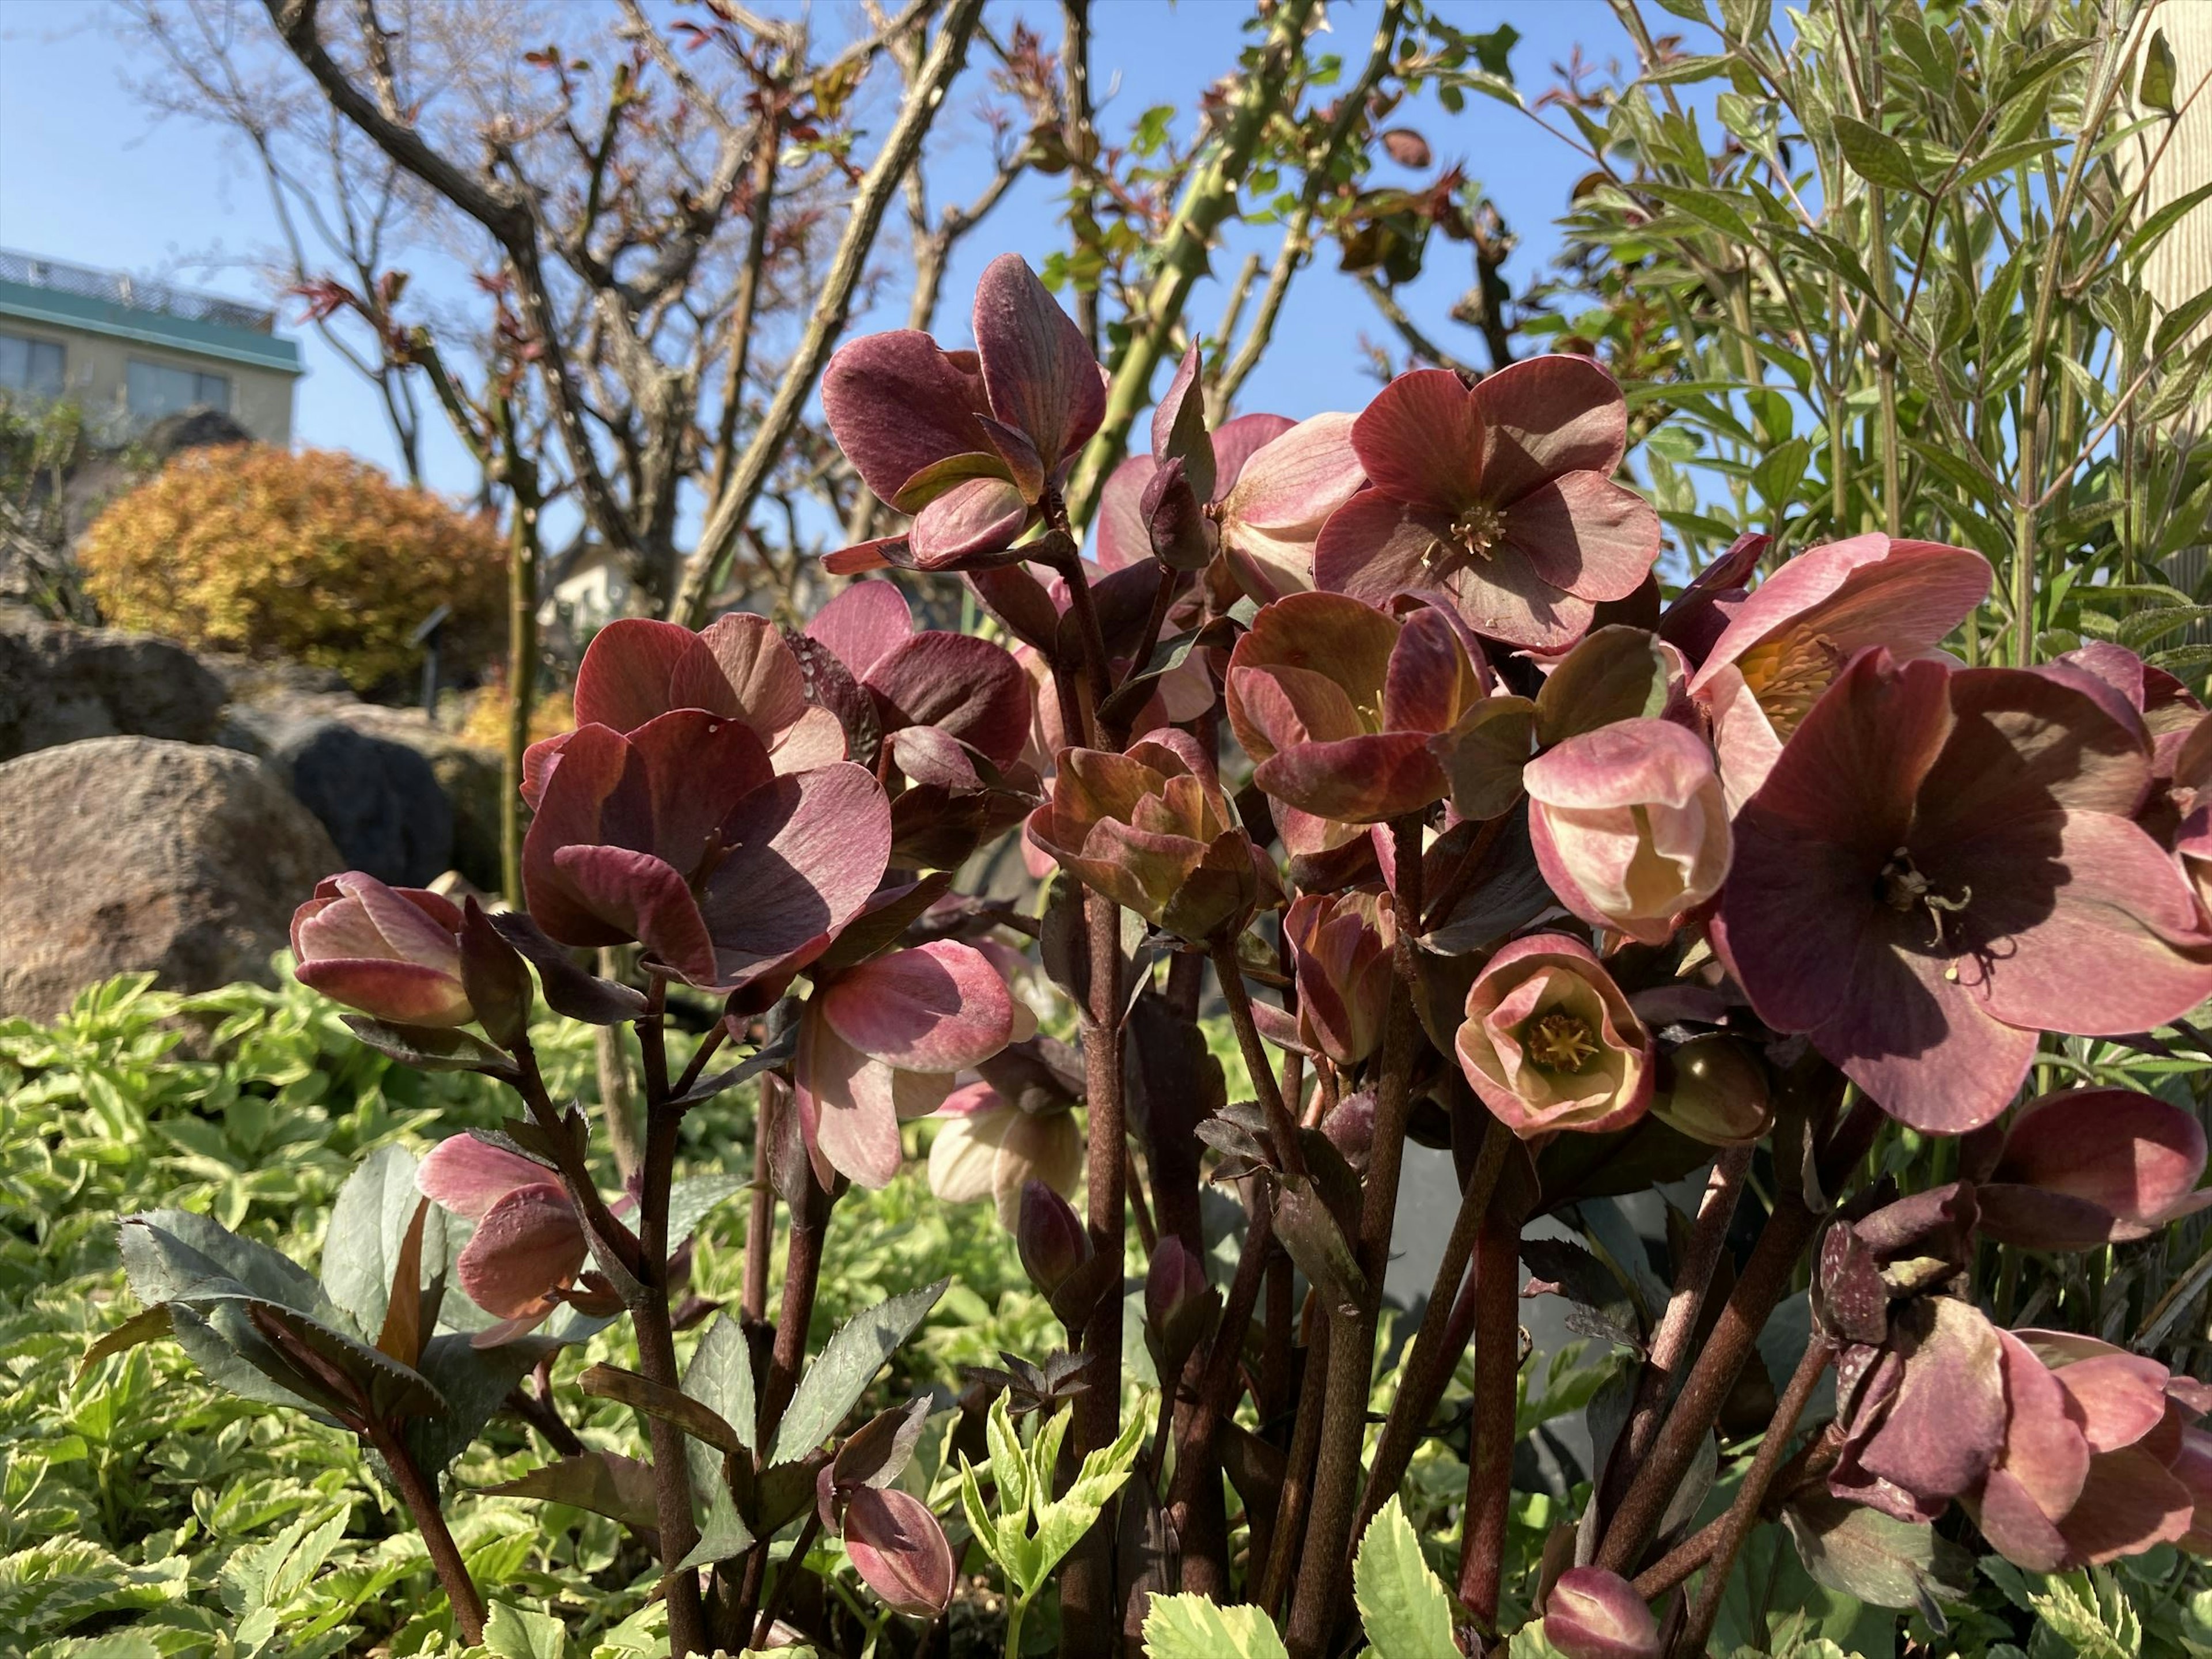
column 95, row 371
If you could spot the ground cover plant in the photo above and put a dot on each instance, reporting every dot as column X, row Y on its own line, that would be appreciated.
column 1849, row 886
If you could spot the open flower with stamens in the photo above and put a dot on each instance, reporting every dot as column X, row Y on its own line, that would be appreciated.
column 1348, row 713
column 1550, row 1043
column 1499, row 495
column 1940, row 866
column 1784, row 645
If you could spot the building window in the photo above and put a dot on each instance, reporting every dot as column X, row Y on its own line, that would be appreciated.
column 31, row 366
column 158, row 389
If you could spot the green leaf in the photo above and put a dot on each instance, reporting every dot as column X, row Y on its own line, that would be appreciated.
column 690, row 1200
column 1192, row 1627
column 368, row 1228
column 605, row 1483
column 2091, row 1613
column 2155, row 89
column 720, row 1377
column 1616, row 673
column 834, row 1383
column 1062, row 1523
column 1876, row 1558
column 1404, row 1608
column 150, row 1326
column 173, row 1255
column 511, row 1633
column 431, row 1050
column 722, row 1534
column 475, row 1383
column 1874, row 155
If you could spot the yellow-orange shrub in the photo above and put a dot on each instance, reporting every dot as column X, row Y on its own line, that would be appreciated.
column 315, row 556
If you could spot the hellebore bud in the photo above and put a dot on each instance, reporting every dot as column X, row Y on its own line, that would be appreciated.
column 1180, row 1306
column 1719, row 1094
column 899, row 1550
column 392, row 953
column 1055, row 1251
column 1595, row 1614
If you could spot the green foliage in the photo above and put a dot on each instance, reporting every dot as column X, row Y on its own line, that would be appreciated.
column 1402, row 1605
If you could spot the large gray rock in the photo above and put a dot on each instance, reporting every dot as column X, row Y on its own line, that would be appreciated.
column 125, row 854
column 61, row 684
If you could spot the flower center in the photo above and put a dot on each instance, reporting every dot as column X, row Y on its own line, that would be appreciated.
column 1904, row 889
column 1787, row 676
column 1560, row 1043
column 1471, row 536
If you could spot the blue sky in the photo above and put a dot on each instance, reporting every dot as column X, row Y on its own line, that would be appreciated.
column 87, row 174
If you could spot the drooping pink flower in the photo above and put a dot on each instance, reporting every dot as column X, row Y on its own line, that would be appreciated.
column 392, row 953
column 1499, row 495
column 968, row 442
column 1347, row 712
column 882, row 1042
column 1272, row 515
column 967, row 688
column 1629, row 825
column 1785, row 644
column 528, row 1247
column 2085, row 1167
column 1549, row 1041
column 1340, row 954
column 991, row 1148
column 737, row 666
column 680, row 835
column 1940, row 866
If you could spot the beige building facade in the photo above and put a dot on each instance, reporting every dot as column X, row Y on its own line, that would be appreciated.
column 130, row 352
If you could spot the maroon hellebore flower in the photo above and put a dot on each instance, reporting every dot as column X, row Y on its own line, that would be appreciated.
column 1629, row 825
column 1152, row 831
column 2085, row 1167
column 1500, row 495
column 737, row 666
column 1349, row 713
column 966, row 441
column 1273, row 513
column 529, row 1244
column 1550, row 1043
column 1340, row 954
column 392, row 953
column 679, row 835
column 1940, row 866
column 968, row 689
column 899, row 1550
column 1784, row 645
column 881, row 1042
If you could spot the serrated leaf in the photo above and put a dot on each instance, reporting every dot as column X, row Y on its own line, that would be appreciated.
column 692, row 1199
column 475, row 1382
column 1192, row 1627
column 173, row 1255
column 834, row 1383
column 369, row 1230
column 720, row 1376
column 429, row 1048
column 1874, row 1557
column 1402, row 1605
column 513, row 1633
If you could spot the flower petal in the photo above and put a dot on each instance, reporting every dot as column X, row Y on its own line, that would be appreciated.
column 1586, row 534
column 640, row 897
column 634, row 667
column 406, row 992
column 937, row 1007
column 847, row 1108
column 1547, row 415
column 968, row 688
column 815, row 847
column 862, row 624
column 1376, row 547
column 468, row 1176
column 1420, row 442
column 753, row 661
column 895, row 403
column 1041, row 376
column 982, row 515
column 528, row 1245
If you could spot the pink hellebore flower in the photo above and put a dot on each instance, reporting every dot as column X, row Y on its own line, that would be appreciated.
column 966, row 441
column 392, row 953
column 737, row 666
column 1784, row 645
column 899, row 1550
column 2087, row 1167
column 529, row 1244
column 1500, row 495
column 1273, row 513
column 1340, row 953
column 989, row 1149
column 968, row 689
column 881, row 1042
column 1348, row 713
column 1592, row 1613
column 1942, row 865
column 1550, row 1043
column 1629, row 825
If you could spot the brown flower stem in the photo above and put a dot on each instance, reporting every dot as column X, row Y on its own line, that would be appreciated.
column 656, row 1339
column 760, row 1213
column 1670, row 1342
column 1155, row 620
column 1298, row 1471
column 1281, row 1124
column 784, row 1580
column 1351, row 1346
column 1764, row 1281
column 1428, row 1368
column 1205, row 1570
column 538, row 1413
column 1807, row 1469
column 1743, row 1514
column 802, row 1275
column 1087, row 1600
column 420, row 1495
column 1490, row 1452
column 614, row 1247
column 709, row 1045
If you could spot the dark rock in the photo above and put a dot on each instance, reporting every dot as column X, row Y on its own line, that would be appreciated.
column 379, row 798
column 128, row 853
column 61, row 683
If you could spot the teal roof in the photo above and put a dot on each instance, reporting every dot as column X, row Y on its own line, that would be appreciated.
column 71, row 311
